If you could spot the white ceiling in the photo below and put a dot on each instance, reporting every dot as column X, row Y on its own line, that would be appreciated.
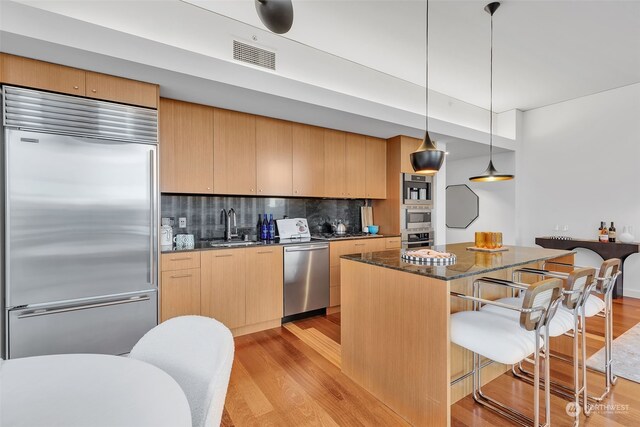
column 459, row 149
column 545, row 51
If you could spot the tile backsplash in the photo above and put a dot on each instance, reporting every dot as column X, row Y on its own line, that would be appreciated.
column 204, row 220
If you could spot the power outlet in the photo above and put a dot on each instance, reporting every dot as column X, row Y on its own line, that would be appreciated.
column 182, row 222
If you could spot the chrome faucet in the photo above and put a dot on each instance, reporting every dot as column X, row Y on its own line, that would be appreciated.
column 226, row 218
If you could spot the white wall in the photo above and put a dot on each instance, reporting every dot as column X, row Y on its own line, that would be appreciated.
column 497, row 199
column 579, row 164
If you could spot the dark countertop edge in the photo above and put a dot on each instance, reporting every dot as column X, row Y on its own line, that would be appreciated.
column 209, row 248
column 354, row 257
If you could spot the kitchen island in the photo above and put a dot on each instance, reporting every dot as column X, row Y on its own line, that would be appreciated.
column 395, row 324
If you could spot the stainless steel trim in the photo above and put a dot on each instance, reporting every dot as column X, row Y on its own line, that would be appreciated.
column 152, row 197
column 64, row 114
column 306, row 249
column 44, row 312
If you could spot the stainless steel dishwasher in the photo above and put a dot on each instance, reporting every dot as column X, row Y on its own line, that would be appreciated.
column 306, row 278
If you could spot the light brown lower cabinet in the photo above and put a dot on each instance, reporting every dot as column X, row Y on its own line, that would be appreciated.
column 264, row 283
column 180, row 293
column 223, row 288
column 241, row 288
column 345, row 247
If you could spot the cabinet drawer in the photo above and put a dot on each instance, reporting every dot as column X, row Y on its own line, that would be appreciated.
column 180, row 293
column 393, row 243
column 31, row 73
column 117, row 89
column 180, row 261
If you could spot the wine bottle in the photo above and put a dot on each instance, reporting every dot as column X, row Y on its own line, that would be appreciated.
column 264, row 228
column 272, row 228
column 612, row 233
column 604, row 233
column 259, row 228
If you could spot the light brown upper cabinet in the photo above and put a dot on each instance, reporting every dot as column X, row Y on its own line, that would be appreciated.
column 334, row 163
column 274, row 157
column 407, row 146
column 355, row 158
column 117, row 89
column 31, row 73
column 308, row 161
column 234, row 152
column 186, row 146
column 376, row 168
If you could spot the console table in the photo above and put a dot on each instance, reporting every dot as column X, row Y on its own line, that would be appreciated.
column 605, row 249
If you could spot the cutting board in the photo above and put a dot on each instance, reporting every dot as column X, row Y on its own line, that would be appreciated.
column 366, row 215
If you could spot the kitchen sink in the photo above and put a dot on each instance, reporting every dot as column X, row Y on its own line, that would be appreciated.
column 232, row 243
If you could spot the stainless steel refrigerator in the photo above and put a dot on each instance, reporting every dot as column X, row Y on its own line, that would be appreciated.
column 80, row 224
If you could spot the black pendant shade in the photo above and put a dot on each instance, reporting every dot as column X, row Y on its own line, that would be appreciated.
column 491, row 174
column 276, row 15
column 427, row 158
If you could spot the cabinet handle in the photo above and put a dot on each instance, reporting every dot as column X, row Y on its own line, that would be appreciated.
column 251, row 190
column 94, row 91
column 222, row 256
column 180, row 259
column 295, row 192
column 178, row 276
column 359, row 244
column 76, row 87
column 259, row 191
column 265, row 252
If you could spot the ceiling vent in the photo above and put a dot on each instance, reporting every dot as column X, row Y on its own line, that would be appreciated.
column 254, row 55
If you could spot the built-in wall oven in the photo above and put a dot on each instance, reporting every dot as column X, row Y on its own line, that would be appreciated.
column 415, row 213
column 417, row 190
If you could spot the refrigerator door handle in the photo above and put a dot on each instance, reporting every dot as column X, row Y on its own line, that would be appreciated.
column 152, row 195
column 44, row 312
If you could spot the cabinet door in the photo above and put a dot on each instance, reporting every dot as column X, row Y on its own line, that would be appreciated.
column 186, row 147
column 376, row 168
column 264, row 268
column 334, row 163
column 274, row 157
column 355, row 158
column 222, row 294
column 308, row 161
column 180, row 293
column 234, row 153
column 117, row 89
column 31, row 73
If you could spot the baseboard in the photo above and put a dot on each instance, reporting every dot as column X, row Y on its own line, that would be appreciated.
column 335, row 309
column 257, row 327
column 631, row 293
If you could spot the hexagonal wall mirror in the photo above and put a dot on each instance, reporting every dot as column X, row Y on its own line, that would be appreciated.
column 463, row 206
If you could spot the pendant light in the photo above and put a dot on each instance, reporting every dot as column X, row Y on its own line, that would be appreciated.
column 491, row 174
column 427, row 158
column 276, row 15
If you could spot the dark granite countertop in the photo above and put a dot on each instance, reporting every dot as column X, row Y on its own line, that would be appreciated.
column 468, row 263
column 204, row 246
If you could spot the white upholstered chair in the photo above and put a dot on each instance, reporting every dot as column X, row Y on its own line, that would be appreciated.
column 509, row 340
column 598, row 303
column 198, row 353
column 569, row 317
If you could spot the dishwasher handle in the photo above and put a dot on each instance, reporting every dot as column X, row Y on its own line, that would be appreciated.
column 307, row 249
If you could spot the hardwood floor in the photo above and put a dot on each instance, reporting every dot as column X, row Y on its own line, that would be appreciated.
column 290, row 376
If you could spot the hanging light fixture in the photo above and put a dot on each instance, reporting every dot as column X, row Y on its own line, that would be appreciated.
column 491, row 174
column 427, row 158
column 276, row 15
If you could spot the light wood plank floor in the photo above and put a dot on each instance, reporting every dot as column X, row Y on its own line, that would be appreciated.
column 290, row 376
